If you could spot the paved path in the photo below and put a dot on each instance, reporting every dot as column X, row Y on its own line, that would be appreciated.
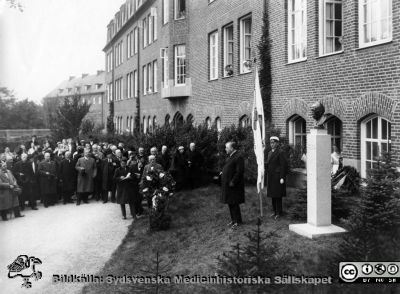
column 68, row 239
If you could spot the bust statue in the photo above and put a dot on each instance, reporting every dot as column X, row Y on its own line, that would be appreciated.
column 318, row 114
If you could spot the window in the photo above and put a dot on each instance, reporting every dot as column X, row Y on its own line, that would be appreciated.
column 297, row 30
column 213, row 55
column 245, row 44
column 144, row 125
column 334, row 127
column 87, row 87
column 136, row 40
column 164, row 67
column 154, row 122
column 155, row 76
column 136, row 82
column 149, row 78
column 109, row 92
column 150, row 124
column 131, row 124
column 118, row 89
column 375, row 139
column 145, row 32
column 128, row 45
column 167, row 119
column 297, row 131
column 228, row 51
column 244, row 121
column 331, row 26
column 218, row 124
column 165, row 14
column 180, row 65
column 375, row 22
column 144, row 79
column 208, row 122
column 180, row 9
column 150, row 29
column 130, row 84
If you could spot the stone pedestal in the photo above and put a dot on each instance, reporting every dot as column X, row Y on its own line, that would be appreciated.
column 319, row 209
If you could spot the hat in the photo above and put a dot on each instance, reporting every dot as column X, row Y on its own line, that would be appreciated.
column 107, row 151
column 181, row 147
column 274, row 138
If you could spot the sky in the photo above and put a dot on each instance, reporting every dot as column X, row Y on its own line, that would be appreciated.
column 51, row 40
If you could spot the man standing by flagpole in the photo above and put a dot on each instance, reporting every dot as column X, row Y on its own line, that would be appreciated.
column 258, row 125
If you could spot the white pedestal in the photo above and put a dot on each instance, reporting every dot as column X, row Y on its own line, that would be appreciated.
column 319, row 209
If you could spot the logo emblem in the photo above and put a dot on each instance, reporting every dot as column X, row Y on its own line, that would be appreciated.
column 349, row 272
column 393, row 269
column 25, row 267
column 380, row 269
column 367, row 269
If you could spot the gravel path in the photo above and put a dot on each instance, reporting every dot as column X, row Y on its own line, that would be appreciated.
column 68, row 239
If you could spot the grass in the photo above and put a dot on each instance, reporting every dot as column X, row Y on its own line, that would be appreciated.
column 198, row 235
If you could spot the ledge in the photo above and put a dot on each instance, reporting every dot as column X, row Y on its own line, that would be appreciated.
column 174, row 91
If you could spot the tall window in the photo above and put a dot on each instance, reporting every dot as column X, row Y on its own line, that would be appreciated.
column 155, row 72
column 150, row 30
column 128, row 85
column 145, row 33
column 244, row 121
column 376, row 139
column 136, row 82
column 150, row 124
column 245, row 44
column 375, row 22
column 297, row 131
column 208, row 122
column 164, row 65
column 213, row 51
column 297, row 26
column 228, row 50
column 136, row 41
column 128, row 46
column 218, row 124
column 144, row 125
column 334, row 127
column 180, row 65
column 165, row 9
column 180, row 9
column 154, row 15
column 331, row 26
column 154, row 122
column 144, row 79
column 149, row 78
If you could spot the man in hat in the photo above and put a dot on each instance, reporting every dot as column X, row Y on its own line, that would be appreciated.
column 86, row 167
column 108, row 169
column 23, row 172
column 232, row 183
column 276, row 176
column 48, row 180
column 68, row 176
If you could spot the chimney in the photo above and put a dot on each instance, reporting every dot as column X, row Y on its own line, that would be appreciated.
column 84, row 75
column 100, row 72
column 71, row 78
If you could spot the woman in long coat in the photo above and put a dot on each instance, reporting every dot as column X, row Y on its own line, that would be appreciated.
column 9, row 190
column 276, row 176
column 127, row 187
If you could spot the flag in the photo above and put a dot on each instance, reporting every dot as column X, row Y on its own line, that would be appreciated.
column 258, row 125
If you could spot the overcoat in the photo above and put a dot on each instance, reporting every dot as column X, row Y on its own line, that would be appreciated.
column 128, row 189
column 232, row 180
column 48, row 182
column 276, row 170
column 68, row 175
column 108, row 171
column 23, row 172
column 8, row 198
column 85, row 179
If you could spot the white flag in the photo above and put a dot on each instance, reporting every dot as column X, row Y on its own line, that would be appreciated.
column 258, row 125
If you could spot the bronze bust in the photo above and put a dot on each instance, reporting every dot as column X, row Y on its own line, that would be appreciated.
column 318, row 114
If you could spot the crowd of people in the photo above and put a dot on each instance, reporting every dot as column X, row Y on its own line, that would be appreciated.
column 70, row 171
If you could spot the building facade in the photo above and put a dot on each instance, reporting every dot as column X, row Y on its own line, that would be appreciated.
column 346, row 55
column 169, row 61
column 91, row 89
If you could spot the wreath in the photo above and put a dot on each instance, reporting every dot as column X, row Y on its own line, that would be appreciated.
column 158, row 186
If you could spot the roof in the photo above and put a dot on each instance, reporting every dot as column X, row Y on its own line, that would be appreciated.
column 83, row 81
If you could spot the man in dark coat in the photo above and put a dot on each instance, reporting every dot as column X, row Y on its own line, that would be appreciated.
column 276, row 176
column 195, row 163
column 108, row 169
column 98, row 189
column 148, row 169
column 48, row 180
column 179, row 168
column 127, row 188
column 165, row 159
column 232, row 183
column 23, row 172
column 87, row 170
column 68, row 177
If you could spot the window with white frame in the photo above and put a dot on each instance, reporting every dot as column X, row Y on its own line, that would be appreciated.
column 376, row 139
column 136, row 82
column 144, row 74
column 180, row 65
column 128, row 85
column 218, row 124
column 180, row 9
column 145, row 32
column 155, row 72
column 165, row 14
column 144, row 125
column 297, row 132
column 154, row 122
column 228, row 50
column 164, row 67
column 244, row 121
column 213, row 55
column 297, row 30
column 375, row 22
column 150, row 28
column 136, row 40
column 150, row 78
column 155, row 32
column 331, row 26
column 334, row 127
column 245, row 44
column 128, row 45
column 208, row 122
column 150, row 124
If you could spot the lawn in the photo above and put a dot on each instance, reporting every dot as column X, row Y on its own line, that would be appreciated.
column 198, row 235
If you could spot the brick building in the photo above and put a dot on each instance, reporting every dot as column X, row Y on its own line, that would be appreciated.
column 91, row 88
column 174, row 60
column 345, row 54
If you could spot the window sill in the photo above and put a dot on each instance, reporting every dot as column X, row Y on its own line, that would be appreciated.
column 213, row 80
column 329, row 54
column 246, row 72
column 211, row 2
column 182, row 18
column 374, row 44
column 296, row 61
column 227, row 77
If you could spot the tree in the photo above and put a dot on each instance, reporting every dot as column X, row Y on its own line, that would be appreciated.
column 15, row 4
column 110, row 119
column 67, row 120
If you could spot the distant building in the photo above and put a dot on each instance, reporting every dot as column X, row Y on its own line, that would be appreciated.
column 91, row 88
column 170, row 61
